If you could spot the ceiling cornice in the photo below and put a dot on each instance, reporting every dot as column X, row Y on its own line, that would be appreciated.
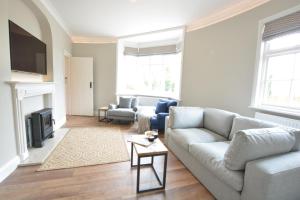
column 218, row 16
column 225, row 13
column 95, row 40
column 52, row 10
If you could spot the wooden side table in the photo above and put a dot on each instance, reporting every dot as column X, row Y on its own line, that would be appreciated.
column 155, row 149
column 104, row 110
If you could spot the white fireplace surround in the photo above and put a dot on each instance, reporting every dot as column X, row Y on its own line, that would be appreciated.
column 21, row 90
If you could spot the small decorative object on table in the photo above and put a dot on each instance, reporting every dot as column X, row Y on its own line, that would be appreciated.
column 151, row 135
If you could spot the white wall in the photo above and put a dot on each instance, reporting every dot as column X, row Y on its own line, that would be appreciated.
column 31, row 15
column 7, row 131
column 104, row 70
column 32, row 104
column 219, row 60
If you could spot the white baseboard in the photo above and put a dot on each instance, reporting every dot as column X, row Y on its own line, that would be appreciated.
column 59, row 123
column 9, row 167
column 96, row 112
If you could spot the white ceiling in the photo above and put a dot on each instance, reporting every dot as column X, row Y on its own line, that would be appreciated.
column 116, row 18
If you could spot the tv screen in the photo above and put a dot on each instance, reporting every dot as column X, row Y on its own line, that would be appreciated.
column 27, row 53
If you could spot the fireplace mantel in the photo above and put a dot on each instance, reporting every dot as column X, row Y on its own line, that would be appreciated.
column 21, row 90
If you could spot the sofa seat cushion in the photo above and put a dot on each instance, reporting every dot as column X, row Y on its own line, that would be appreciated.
column 211, row 155
column 218, row 121
column 121, row 112
column 185, row 137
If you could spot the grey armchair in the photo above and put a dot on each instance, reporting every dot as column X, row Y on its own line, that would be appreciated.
column 124, row 111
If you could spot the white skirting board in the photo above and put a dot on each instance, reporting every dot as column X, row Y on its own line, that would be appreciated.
column 9, row 168
column 11, row 165
column 59, row 123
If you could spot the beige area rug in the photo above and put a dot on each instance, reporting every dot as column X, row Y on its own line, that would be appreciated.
column 87, row 146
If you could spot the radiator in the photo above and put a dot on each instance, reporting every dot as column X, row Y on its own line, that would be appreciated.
column 284, row 121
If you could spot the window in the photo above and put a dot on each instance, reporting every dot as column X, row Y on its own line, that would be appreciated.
column 278, row 83
column 155, row 75
column 150, row 64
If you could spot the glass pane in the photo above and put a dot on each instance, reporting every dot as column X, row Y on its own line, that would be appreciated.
column 287, row 41
column 277, row 93
column 280, row 67
column 150, row 75
column 130, row 60
column 296, row 94
column 156, row 60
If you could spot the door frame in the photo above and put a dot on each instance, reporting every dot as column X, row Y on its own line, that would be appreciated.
column 67, row 77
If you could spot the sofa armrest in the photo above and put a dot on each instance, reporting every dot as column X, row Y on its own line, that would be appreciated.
column 161, row 119
column 161, row 116
column 166, row 123
column 186, row 117
column 167, row 129
column 273, row 178
column 112, row 106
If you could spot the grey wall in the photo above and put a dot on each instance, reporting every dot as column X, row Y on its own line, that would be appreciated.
column 104, row 70
column 219, row 60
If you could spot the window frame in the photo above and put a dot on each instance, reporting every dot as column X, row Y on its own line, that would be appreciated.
column 119, row 51
column 261, row 68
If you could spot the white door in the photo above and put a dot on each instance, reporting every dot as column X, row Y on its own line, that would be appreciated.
column 81, row 75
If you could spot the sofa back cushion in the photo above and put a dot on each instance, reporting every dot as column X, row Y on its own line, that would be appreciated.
column 219, row 121
column 296, row 133
column 244, row 123
column 134, row 102
column 186, row 117
column 125, row 102
column 253, row 144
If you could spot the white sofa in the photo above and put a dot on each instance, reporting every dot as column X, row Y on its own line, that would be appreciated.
column 205, row 140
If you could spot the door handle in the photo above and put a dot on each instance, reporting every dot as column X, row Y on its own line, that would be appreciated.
column 91, row 85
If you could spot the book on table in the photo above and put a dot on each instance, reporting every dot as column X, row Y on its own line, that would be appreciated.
column 143, row 141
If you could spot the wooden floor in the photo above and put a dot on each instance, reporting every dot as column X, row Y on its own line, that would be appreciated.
column 110, row 181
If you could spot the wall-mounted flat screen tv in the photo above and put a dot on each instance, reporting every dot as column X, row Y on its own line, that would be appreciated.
column 27, row 53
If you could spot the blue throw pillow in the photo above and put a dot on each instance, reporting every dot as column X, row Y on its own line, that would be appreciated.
column 161, row 107
column 169, row 103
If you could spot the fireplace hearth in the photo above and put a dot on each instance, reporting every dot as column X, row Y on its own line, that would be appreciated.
column 42, row 126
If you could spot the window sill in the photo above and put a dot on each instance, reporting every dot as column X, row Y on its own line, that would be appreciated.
column 144, row 95
column 276, row 111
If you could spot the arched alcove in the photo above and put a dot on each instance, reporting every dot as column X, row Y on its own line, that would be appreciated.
column 46, row 36
column 27, row 15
